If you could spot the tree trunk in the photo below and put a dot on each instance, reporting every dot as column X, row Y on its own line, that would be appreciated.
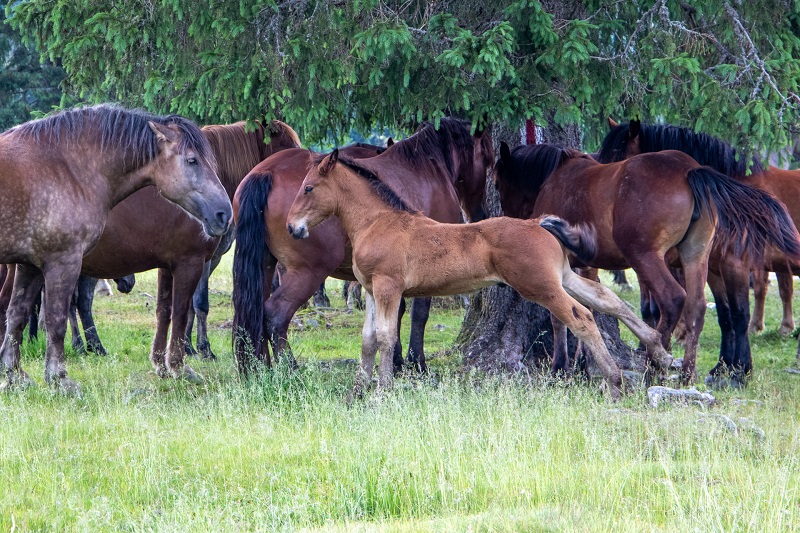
column 502, row 330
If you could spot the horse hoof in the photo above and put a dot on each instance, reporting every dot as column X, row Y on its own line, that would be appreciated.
column 188, row 375
column 69, row 387
column 785, row 331
column 16, row 381
column 161, row 371
column 189, row 349
column 755, row 330
column 206, row 353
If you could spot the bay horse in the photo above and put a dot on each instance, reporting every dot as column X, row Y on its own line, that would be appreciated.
column 131, row 243
column 730, row 272
column 644, row 209
column 60, row 178
column 438, row 171
column 398, row 251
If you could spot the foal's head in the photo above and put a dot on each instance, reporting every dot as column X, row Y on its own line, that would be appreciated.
column 316, row 200
column 184, row 170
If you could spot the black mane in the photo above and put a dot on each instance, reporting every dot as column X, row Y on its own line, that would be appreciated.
column 118, row 129
column 429, row 146
column 531, row 165
column 383, row 191
column 703, row 148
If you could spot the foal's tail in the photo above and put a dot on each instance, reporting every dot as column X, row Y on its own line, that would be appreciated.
column 747, row 218
column 248, row 270
column 579, row 239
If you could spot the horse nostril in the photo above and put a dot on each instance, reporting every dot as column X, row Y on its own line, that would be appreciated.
column 291, row 229
column 222, row 218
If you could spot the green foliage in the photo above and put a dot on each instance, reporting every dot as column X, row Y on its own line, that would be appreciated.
column 327, row 67
column 27, row 87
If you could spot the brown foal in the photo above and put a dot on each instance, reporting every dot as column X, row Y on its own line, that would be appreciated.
column 399, row 252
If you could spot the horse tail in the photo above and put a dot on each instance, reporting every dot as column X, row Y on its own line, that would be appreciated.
column 248, row 270
column 747, row 218
column 579, row 239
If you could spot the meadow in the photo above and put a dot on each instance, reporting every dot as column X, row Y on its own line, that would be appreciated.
column 458, row 452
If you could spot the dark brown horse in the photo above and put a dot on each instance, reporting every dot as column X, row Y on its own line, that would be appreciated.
column 397, row 252
column 438, row 171
column 643, row 209
column 60, row 177
column 730, row 272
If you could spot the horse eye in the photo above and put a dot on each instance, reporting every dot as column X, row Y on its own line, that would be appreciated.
column 309, row 188
column 191, row 161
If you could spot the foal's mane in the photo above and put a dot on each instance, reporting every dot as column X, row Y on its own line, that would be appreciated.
column 117, row 128
column 429, row 147
column 383, row 191
column 703, row 148
column 238, row 150
column 531, row 165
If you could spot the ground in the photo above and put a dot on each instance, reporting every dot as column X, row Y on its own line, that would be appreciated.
column 459, row 453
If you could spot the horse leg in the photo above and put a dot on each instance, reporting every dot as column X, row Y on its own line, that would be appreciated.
column 33, row 320
column 187, row 335
column 27, row 281
column 163, row 317
column 86, row 286
column 321, row 298
column 717, row 285
column 786, row 290
column 420, row 311
column 737, row 278
column 387, row 304
column 77, row 339
column 603, row 299
column 369, row 347
column 199, row 309
column 296, row 288
column 354, row 296
column 621, row 280
column 397, row 353
column 560, row 362
column 5, row 296
column 185, row 277
column 760, row 287
column 3, row 273
column 60, row 280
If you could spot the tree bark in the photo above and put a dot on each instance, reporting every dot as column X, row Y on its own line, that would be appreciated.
column 504, row 332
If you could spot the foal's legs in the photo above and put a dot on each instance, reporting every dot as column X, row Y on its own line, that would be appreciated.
column 27, row 282
column 60, row 279
column 387, row 304
column 786, row 290
column 760, row 282
column 369, row 347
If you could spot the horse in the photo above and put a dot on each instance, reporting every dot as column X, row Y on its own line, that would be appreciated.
column 644, row 209
column 439, row 171
column 60, row 178
column 185, row 258
column 398, row 251
column 730, row 273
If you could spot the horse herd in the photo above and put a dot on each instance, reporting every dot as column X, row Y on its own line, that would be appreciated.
column 107, row 192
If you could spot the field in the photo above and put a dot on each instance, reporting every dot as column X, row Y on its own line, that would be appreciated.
column 456, row 452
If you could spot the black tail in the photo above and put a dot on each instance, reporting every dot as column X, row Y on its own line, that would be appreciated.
column 747, row 218
column 248, row 271
column 579, row 239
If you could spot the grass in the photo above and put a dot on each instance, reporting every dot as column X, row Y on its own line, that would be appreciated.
column 456, row 453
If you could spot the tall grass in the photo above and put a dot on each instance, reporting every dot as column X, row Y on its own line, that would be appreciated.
column 463, row 453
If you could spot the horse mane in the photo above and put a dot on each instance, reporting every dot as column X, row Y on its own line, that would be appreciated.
column 531, row 165
column 118, row 129
column 429, row 147
column 703, row 148
column 238, row 151
column 383, row 191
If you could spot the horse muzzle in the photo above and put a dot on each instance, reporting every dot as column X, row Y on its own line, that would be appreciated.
column 298, row 231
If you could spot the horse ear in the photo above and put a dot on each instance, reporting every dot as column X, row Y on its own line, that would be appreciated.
column 505, row 151
column 389, row 142
column 329, row 162
column 634, row 128
column 163, row 133
column 612, row 123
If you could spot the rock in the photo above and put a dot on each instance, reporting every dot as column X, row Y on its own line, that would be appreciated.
column 633, row 380
column 722, row 420
column 677, row 364
column 658, row 395
column 791, row 370
column 439, row 327
column 748, row 425
column 312, row 323
column 745, row 401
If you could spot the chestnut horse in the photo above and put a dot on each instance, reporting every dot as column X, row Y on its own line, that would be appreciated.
column 397, row 252
column 642, row 209
column 730, row 274
column 60, row 177
column 438, row 171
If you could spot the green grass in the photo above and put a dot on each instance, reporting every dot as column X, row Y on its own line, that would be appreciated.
column 458, row 453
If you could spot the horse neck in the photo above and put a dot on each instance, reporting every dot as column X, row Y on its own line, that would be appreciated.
column 359, row 207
